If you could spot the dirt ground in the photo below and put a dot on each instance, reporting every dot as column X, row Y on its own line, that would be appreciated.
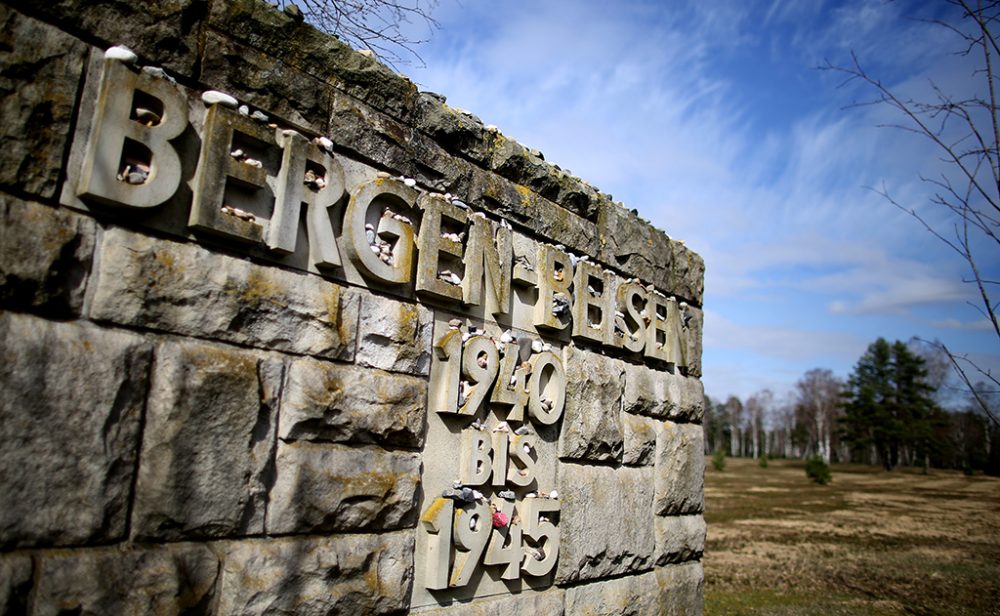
column 870, row 542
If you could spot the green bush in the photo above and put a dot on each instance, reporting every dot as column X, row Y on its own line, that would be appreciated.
column 763, row 462
column 818, row 470
column 719, row 460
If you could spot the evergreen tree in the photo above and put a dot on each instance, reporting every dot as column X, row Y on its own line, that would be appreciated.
column 888, row 405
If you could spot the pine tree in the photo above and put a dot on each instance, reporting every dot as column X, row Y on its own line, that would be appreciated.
column 888, row 405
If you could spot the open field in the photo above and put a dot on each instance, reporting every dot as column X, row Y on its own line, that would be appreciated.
column 871, row 542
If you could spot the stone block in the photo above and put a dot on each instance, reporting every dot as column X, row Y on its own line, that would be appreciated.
column 45, row 256
column 165, row 579
column 640, row 440
column 592, row 428
column 266, row 82
column 40, row 70
column 15, row 583
column 633, row 595
column 688, row 396
column 343, row 404
column 163, row 33
column 207, row 443
column 455, row 130
column 687, row 273
column 548, row 603
column 521, row 205
column 679, row 538
column 632, row 245
column 681, row 589
column 186, row 289
column 695, row 334
column 322, row 488
column 71, row 398
column 346, row 574
column 680, row 469
column 324, row 57
column 647, row 391
column 605, row 523
column 394, row 335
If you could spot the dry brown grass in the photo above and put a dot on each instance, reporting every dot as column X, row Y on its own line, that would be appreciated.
column 871, row 542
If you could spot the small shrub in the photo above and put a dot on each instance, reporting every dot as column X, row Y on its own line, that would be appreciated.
column 818, row 470
column 719, row 460
column 763, row 462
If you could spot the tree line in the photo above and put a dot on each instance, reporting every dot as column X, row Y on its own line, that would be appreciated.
column 899, row 406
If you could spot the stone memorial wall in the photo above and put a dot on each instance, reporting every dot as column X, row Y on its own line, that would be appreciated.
column 282, row 334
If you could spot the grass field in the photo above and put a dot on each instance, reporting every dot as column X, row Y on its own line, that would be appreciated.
column 870, row 542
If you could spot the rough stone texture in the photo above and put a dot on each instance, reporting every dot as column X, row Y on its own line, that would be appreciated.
column 681, row 589
column 634, row 595
column 207, row 443
column 687, row 273
column 142, row 281
column 680, row 469
column 688, row 397
column 695, row 333
column 640, row 440
column 347, row 574
column 168, row 579
column 591, row 428
column 40, row 70
column 646, row 391
column 679, row 538
column 165, row 31
column 394, row 335
column 71, row 398
column 632, row 245
column 330, row 402
column 322, row 488
column 458, row 132
column 15, row 583
column 548, row 603
column 266, row 82
column 520, row 205
column 45, row 256
column 605, row 523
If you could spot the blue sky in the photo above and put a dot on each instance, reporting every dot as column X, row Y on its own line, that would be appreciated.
column 711, row 120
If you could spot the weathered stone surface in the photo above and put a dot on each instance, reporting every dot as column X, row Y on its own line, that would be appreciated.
column 605, row 523
column 681, row 589
column 680, row 469
column 548, row 603
column 322, row 487
column 640, row 440
column 15, row 583
column 688, row 397
column 646, row 391
column 394, row 335
column 591, row 428
column 456, row 131
column 695, row 333
column 520, row 204
column 40, row 70
column 635, row 247
column 332, row 402
column 526, row 167
column 45, row 256
column 163, row 32
column 347, row 574
column 209, row 435
column 266, row 82
column 166, row 579
column 324, row 57
column 679, row 538
column 71, row 398
column 634, row 595
column 187, row 289
column 687, row 273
